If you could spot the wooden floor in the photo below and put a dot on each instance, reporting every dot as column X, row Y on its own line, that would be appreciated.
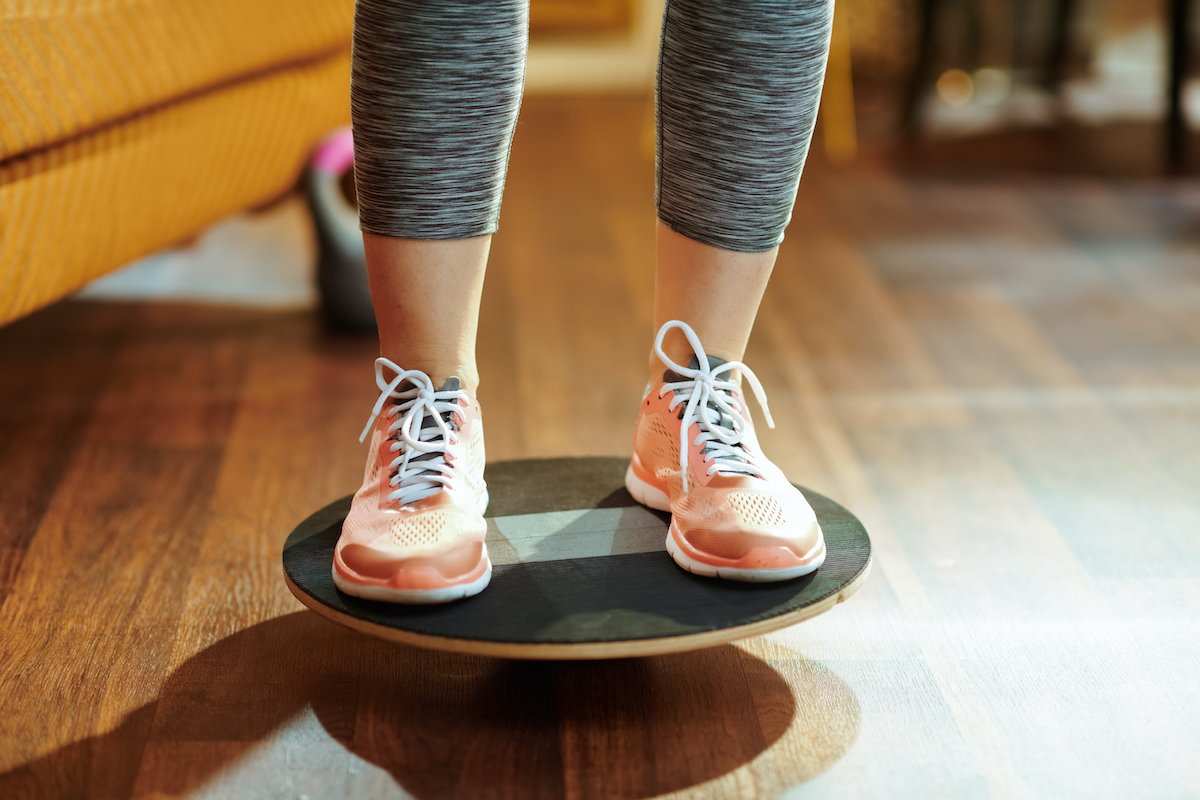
column 1001, row 378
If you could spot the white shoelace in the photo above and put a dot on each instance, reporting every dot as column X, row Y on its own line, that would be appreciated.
column 411, row 479
column 699, row 389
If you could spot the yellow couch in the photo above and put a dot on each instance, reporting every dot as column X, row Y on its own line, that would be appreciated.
column 129, row 125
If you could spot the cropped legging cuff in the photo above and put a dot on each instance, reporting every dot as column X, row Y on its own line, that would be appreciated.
column 434, row 94
column 436, row 87
column 737, row 94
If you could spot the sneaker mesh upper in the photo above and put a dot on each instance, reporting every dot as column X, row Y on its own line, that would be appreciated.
column 426, row 529
column 757, row 510
column 658, row 441
column 476, row 458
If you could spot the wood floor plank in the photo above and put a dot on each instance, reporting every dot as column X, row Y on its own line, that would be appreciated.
column 446, row 725
column 57, row 363
column 642, row 740
column 574, row 258
column 101, row 587
column 292, row 448
column 853, row 331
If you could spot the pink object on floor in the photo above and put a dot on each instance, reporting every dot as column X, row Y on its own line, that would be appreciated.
column 335, row 154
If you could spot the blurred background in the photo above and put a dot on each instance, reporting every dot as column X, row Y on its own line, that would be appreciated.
column 1100, row 88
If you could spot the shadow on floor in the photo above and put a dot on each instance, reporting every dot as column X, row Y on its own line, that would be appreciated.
column 447, row 725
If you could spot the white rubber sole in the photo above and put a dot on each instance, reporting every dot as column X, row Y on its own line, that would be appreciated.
column 733, row 573
column 655, row 498
column 415, row 596
column 644, row 493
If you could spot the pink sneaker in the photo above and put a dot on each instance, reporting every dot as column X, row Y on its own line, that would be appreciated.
column 733, row 513
column 415, row 532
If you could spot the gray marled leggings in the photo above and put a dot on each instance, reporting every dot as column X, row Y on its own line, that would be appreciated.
column 437, row 85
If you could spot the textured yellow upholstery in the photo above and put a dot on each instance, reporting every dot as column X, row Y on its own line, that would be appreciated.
column 128, row 125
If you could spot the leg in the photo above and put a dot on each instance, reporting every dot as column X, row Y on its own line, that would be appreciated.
column 434, row 92
column 426, row 294
column 716, row 291
column 738, row 88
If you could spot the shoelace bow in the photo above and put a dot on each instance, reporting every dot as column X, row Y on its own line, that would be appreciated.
column 415, row 476
column 708, row 401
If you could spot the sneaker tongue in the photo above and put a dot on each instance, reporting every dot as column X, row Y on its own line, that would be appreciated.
column 726, row 421
column 452, row 384
column 671, row 376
